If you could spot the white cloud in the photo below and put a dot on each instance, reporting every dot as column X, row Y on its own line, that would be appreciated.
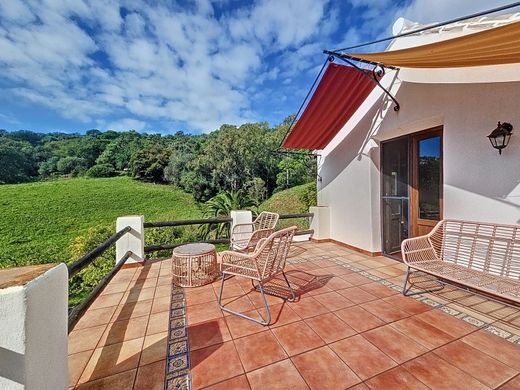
column 124, row 124
column 155, row 62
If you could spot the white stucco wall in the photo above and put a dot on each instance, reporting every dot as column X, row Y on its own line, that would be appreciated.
column 33, row 335
column 479, row 184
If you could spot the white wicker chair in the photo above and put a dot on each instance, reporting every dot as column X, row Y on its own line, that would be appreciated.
column 245, row 236
column 267, row 261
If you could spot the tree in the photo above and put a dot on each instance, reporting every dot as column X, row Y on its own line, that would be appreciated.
column 15, row 163
column 221, row 205
column 148, row 164
column 71, row 165
column 101, row 170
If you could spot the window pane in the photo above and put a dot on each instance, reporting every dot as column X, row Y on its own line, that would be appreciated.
column 395, row 168
column 429, row 178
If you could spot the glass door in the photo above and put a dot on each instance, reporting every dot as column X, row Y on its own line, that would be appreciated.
column 394, row 194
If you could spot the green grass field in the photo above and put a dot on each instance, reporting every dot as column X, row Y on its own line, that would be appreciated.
column 39, row 220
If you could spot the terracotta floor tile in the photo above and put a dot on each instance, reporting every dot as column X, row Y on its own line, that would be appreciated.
column 475, row 363
column 230, row 290
column 395, row 344
column 121, row 381
column 282, row 314
column 359, row 386
column 258, row 303
column 396, row 378
column 158, row 322
column 240, row 327
column 323, row 369
column 297, row 337
column 163, row 291
column 438, row 374
column 308, row 307
column 77, row 363
column 378, row 290
column 106, row 301
column 422, row 332
column 203, row 312
column 407, row 304
column 385, row 310
column 239, row 304
column 316, row 290
column 151, row 376
column 112, row 359
column 132, row 310
column 85, row 339
column 164, row 280
column 138, row 284
column 329, row 327
column 160, row 304
column 138, row 294
column 358, row 318
column 214, row 364
column 513, row 384
column 336, row 283
column 258, row 350
column 361, row 356
column 337, row 270
column 204, row 334
column 357, row 295
column 95, row 317
column 154, row 348
column 237, row 383
column 448, row 324
column 277, row 376
column 502, row 350
column 113, row 288
column 333, row 301
column 117, row 332
column 356, row 279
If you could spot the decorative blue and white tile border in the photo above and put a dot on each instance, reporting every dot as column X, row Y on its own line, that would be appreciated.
column 178, row 375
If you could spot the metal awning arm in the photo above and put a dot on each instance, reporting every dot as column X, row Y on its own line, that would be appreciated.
column 377, row 71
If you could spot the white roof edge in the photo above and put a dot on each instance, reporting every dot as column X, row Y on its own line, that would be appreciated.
column 403, row 25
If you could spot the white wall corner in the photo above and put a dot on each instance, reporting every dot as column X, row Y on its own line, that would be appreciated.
column 132, row 241
column 33, row 340
column 320, row 222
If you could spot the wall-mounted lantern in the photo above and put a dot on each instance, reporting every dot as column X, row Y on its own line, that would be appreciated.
column 499, row 137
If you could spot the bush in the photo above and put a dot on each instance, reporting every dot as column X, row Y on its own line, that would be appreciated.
column 83, row 282
column 309, row 196
column 102, row 170
column 71, row 165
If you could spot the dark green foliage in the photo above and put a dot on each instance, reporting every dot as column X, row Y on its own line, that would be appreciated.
column 102, row 170
column 220, row 206
column 15, row 161
column 71, row 165
column 148, row 164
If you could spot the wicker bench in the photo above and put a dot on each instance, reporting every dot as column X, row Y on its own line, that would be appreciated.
column 481, row 256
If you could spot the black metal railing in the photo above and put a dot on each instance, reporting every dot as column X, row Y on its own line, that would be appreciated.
column 210, row 221
column 90, row 257
column 85, row 261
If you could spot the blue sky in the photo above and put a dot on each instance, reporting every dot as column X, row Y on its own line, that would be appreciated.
column 164, row 66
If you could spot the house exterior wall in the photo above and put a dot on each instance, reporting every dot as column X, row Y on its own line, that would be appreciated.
column 479, row 184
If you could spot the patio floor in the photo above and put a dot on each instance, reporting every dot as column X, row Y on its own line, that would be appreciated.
column 350, row 328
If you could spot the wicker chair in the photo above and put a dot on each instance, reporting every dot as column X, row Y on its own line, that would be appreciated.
column 266, row 262
column 245, row 236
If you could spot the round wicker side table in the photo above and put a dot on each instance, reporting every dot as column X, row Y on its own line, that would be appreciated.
column 194, row 265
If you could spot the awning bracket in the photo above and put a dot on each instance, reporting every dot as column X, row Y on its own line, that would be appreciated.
column 377, row 72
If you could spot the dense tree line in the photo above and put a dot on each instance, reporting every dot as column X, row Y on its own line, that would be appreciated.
column 232, row 158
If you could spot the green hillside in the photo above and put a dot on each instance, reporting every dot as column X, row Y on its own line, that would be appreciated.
column 39, row 220
column 294, row 200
